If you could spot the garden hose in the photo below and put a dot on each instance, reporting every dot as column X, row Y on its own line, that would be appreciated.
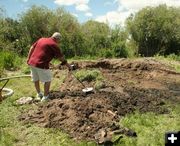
column 8, row 91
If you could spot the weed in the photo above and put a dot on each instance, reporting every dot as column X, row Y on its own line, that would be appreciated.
column 99, row 84
column 88, row 75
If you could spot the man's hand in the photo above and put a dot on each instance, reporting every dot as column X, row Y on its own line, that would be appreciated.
column 64, row 62
column 71, row 67
column 51, row 66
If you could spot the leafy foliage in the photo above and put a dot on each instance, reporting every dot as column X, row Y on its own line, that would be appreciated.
column 156, row 30
column 96, row 36
column 148, row 32
column 9, row 60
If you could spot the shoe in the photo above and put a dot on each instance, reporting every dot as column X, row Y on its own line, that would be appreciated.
column 39, row 96
column 45, row 98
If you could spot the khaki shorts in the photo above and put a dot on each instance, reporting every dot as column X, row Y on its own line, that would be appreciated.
column 43, row 75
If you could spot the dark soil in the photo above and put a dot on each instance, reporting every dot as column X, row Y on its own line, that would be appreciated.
column 130, row 86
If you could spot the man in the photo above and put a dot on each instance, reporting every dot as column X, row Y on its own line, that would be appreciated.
column 39, row 57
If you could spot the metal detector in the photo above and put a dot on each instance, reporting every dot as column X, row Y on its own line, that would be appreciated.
column 85, row 89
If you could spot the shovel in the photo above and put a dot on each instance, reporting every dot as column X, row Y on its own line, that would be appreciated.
column 85, row 89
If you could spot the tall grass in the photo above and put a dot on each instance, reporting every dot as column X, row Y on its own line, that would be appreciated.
column 172, row 60
column 171, row 57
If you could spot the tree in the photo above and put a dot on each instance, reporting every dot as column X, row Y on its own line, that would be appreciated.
column 67, row 24
column 118, row 41
column 36, row 21
column 96, row 36
column 156, row 30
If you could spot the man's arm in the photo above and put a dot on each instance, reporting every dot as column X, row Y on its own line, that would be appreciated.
column 60, row 56
column 64, row 62
column 30, row 52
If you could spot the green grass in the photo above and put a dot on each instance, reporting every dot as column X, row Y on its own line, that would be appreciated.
column 89, row 75
column 173, row 57
column 171, row 60
column 99, row 84
column 151, row 128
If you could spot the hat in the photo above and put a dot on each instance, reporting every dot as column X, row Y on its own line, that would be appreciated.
column 56, row 35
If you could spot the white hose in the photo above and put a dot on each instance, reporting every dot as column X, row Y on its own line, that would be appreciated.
column 9, row 92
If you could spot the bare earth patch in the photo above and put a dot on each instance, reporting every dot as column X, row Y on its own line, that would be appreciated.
column 143, row 85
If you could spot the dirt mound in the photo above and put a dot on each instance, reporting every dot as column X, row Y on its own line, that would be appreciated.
column 84, row 116
column 138, row 64
column 96, row 116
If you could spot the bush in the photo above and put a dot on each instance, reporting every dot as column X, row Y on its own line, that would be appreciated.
column 9, row 60
column 120, row 50
column 107, row 53
column 173, row 57
column 169, row 57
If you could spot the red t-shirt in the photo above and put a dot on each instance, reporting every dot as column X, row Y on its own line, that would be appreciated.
column 45, row 49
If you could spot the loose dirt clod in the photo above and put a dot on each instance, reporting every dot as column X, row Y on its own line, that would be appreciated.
column 130, row 86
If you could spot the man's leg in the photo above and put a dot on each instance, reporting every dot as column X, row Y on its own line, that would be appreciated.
column 37, row 86
column 35, row 79
column 45, row 76
column 46, row 88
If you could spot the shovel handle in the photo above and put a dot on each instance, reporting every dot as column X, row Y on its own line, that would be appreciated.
column 78, row 80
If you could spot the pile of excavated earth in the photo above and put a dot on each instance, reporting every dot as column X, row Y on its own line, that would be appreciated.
column 143, row 85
